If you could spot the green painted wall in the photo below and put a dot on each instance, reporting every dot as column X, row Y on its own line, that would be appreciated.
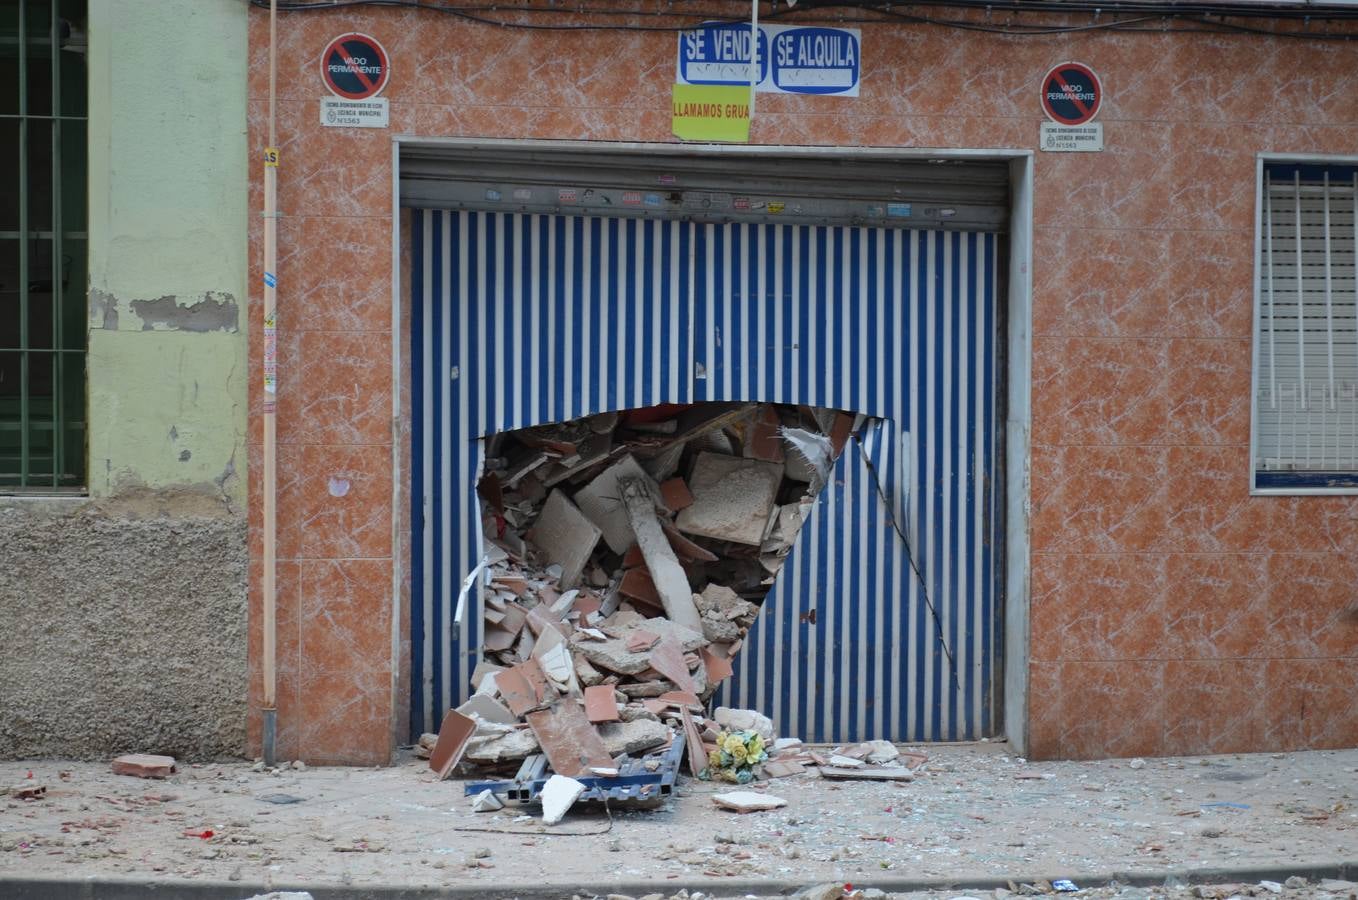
column 167, row 224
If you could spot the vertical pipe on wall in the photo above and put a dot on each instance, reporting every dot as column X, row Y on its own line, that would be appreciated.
column 270, row 710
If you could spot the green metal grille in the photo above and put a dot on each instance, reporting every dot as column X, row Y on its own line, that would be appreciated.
column 43, row 241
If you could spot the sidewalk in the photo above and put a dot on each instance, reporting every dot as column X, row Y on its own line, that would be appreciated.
column 975, row 817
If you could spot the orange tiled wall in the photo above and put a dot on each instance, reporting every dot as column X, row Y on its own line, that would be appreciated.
column 1171, row 612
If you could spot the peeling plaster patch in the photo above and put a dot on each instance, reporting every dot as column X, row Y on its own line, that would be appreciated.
column 208, row 314
column 103, row 310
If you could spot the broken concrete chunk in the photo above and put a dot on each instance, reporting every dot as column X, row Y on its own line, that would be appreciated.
column 601, row 501
column 486, row 801
column 614, row 655
column 635, row 736
column 566, row 536
column 744, row 720
column 585, row 673
column 732, row 498
column 144, row 765
column 880, row 752
column 726, row 603
column 845, row 762
column 747, row 801
column 558, row 795
column 515, row 745
column 670, row 581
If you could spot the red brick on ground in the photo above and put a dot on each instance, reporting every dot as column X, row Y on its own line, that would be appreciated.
column 144, row 765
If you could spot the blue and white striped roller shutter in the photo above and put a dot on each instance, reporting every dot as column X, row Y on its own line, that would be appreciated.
column 527, row 319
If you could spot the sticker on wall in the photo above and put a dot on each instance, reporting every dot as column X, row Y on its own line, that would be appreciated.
column 790, row 59
column 704, row 112
column 355, row 69
column 1071, row 97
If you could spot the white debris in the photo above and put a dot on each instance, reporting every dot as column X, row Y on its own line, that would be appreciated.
column 558, row 796
column 846, row 762
column 880, row 752
column 744, row 720
column 747, row 801
column 486, row 801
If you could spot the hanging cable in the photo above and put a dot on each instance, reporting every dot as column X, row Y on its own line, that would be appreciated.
column 1185, row 18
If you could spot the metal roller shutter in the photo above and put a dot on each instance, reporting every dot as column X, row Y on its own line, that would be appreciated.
column 522, row 318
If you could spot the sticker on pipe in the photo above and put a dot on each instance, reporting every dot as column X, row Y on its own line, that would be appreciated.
column 355, row 69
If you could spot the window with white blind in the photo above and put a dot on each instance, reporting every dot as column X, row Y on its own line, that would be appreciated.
column 1305, row 435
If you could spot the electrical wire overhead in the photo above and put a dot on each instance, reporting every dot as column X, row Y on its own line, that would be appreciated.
column 1131, row 16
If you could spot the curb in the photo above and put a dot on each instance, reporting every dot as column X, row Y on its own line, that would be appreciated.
column 110, row 888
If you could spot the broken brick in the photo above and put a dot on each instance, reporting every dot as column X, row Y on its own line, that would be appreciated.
column 144, row 765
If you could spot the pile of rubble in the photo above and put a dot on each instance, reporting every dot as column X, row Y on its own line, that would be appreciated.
column 627, row 556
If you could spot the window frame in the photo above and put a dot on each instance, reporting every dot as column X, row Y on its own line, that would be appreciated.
column 69, row 466
column 1276, row 490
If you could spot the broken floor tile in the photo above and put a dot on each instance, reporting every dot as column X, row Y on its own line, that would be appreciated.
column 568, row 739
column 600, row 704
column 454, row 733
column 747, row 801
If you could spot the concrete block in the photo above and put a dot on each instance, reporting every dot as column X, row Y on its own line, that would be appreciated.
column 601, row 502
column 566, row 536
column 144, row 765
column 732, row 498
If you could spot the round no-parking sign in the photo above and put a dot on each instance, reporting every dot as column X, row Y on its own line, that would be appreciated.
column 354, row 66
column 1071, row 94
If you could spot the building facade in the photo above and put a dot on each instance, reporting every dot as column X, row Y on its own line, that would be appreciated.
column 1117, row 387
column 122, row 444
